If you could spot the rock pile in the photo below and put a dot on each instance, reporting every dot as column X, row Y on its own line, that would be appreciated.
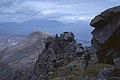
column 106, row 40
column 57, row 53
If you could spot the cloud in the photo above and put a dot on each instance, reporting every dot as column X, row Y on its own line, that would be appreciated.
column 74, row 18
column 26, row 11
column 72, row 10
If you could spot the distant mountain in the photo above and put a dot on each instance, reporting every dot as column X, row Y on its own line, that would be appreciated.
column 26, row 27
column 80, row 28
column 43, row 23
column 84, row 42
column 19, row 59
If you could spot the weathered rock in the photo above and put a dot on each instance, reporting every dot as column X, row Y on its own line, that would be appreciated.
column 106, row 24
column 97, row 21
column 105, row 17
column 103, row 34
column 96, row 46
column 106, row 41
column 60, row 51
column 106, row 35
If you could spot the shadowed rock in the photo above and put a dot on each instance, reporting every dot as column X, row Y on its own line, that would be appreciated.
column 106, row 35
column 106, row 41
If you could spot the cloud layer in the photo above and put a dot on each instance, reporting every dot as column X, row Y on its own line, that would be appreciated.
column 62, row 10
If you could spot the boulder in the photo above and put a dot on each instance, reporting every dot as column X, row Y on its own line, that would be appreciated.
column 106, row 35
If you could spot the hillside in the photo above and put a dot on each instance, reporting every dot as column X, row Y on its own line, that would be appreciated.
column 9, row 40
column 20, row 58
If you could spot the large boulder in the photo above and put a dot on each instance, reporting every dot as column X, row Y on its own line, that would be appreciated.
column 106, row 24
column 106, row 35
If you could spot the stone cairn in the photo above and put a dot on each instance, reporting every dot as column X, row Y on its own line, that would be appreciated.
column 58, row 51
column 106, row 38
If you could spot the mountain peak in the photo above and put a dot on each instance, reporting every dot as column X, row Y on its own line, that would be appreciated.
column 39, row 33
column 22, row 56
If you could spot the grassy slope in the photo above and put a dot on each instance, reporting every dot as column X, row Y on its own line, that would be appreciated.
column 79, row 73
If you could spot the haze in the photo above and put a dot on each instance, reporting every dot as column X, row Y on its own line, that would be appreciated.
column 21, row 17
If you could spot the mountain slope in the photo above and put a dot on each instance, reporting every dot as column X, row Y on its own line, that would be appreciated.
column 19, row 59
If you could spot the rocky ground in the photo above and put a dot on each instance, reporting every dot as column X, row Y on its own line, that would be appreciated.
column 62, row 58
column 66, row 61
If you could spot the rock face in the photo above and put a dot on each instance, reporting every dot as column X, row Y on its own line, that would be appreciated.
column 57, row 53
column 17, row 62
column 106, row 35
column 106, row 39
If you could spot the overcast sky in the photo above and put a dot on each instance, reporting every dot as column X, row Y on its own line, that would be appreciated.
column 62, row 10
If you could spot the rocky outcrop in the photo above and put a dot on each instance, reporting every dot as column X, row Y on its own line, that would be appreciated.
column 58, row 52
column 17, row 62
column 106, row 35
column 106, row 40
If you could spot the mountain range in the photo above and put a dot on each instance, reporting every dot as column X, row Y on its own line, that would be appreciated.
column 80, row 28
